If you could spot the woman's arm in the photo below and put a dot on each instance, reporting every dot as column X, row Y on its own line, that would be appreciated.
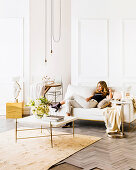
column 87, row 99
column 110, row 94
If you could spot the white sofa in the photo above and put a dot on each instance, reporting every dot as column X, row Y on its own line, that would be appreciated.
column 93, row 113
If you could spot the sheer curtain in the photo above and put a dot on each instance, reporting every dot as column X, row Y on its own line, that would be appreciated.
column 11, row 57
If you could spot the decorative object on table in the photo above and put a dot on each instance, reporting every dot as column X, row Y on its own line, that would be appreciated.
column 47, row 80
column 14, row 110
column 40, row 106
column 117, row 95
column 26, row 111
column 53, row 118
column 16, row 88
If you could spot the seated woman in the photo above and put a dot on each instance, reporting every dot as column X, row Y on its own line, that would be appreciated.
column 102, row 91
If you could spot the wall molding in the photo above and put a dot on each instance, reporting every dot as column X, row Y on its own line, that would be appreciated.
column 76, row 61
column 123, row 48
column 19, row 22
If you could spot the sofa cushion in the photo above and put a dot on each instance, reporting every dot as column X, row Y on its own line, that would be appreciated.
column 83, row 91
column 89, row 114
column 104, row 103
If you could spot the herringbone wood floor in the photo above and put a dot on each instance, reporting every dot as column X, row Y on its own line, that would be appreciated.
column 106, row 154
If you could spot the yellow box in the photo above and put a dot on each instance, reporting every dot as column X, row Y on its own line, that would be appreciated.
column 14, row 110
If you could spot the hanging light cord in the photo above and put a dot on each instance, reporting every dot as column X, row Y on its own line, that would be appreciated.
column 56, row 40
column 52, row 23
column 45, row 60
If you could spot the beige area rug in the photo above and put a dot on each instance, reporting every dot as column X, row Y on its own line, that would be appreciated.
column 29, row 154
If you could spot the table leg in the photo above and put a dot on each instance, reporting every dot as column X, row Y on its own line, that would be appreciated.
column 46, row 90
column 51, row 134
column 122, row 119
column 73, row 128
column 16, row 131
column 129, row 118
column 122, row 128
column 129, row 126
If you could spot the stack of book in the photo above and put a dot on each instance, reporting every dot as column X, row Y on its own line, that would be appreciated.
column 26, row 111
column 53, row 118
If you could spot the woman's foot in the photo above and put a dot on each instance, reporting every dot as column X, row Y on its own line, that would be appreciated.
column 67, row 125
column 56, row 106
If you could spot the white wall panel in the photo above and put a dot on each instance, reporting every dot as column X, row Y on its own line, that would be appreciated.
column 11, row 47
column 115, row 52
column 104, row 44
column 93, row 49
column 129, row 48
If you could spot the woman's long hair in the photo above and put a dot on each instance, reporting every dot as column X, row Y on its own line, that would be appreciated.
column 105, row 89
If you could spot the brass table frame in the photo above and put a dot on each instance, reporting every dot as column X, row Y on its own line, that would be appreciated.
column 48, row 86
column 122, row 103
column 51, row 133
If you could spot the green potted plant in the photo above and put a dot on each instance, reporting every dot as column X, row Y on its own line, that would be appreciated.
column 40, row 107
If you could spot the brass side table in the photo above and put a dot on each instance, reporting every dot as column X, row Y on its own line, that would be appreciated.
column 48, row 86
column 119, row 134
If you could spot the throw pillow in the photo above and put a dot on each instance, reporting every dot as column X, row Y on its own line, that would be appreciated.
column 104, row 103
column 83, row 91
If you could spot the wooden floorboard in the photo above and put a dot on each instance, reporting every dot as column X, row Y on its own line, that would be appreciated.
column 106, row 154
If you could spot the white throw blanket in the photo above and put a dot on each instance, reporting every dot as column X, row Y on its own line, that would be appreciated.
column 36, row 90
column 113, row 118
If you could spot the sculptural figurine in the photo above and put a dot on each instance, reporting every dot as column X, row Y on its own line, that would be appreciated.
column 16, row 88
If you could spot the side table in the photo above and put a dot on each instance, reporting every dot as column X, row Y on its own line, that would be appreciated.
column 48, row 86
column 14, row 110
column 122, row 103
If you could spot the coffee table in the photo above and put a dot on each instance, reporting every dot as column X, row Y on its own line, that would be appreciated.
column 32, row 120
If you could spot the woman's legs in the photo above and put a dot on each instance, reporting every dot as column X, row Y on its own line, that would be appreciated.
column 76, row 102
column 83, row 103
column 71, row 104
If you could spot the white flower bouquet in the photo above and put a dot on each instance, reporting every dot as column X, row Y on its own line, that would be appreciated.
column 40, row 107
